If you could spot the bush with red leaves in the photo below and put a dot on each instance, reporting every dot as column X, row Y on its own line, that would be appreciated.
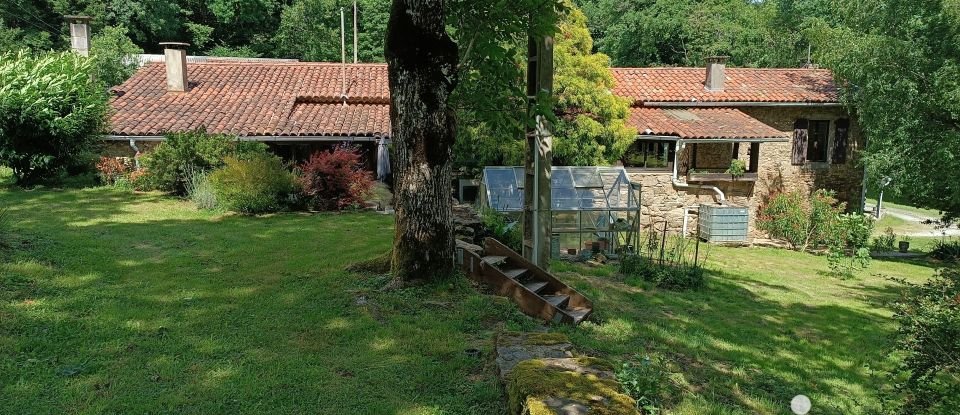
column 111, row 169
column 335, row 179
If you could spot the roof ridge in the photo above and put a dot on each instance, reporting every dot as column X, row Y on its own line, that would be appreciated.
column 254, row 63
column 648, row 68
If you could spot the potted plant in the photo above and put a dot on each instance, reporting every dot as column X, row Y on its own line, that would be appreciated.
column 904, row 244
column 737, row 168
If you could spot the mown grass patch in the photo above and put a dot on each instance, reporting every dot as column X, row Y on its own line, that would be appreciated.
column 113, row 302
column 769, row 325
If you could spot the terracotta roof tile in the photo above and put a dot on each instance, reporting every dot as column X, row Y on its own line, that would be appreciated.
column 692, row 123
column 303, row 99
column 741, row 85
column 255, row 99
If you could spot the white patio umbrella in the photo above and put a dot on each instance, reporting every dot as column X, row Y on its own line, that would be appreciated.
column 383, row 160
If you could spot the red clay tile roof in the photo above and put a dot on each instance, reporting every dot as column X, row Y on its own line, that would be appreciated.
column 695, row 123
column 742, row 85
column 303, row 99
column 255, row 99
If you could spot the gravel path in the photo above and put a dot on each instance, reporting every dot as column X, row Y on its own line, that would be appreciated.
column 915, row 218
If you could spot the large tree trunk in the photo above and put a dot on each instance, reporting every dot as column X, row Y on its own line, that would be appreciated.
column 422, row 61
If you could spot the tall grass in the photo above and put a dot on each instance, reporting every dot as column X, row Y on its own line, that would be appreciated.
column 200, row 190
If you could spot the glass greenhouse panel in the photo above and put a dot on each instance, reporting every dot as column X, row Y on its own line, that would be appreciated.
column 592, row 207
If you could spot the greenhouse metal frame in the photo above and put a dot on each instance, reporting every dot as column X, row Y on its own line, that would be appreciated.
column 593, row 208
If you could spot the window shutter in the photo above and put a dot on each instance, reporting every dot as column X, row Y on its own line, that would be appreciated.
column 840, row 140
column 800, row 135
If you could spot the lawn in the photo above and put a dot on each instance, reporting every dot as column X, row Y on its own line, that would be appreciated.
column 770, row 325
column 907, row 208
column 119, row 303
column 112, row 302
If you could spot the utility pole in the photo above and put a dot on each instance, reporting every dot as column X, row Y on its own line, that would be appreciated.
column 538, row 162
column 354, row 31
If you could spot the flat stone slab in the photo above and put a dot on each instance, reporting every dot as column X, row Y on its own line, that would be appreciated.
column 513, row 348
column 896, row 254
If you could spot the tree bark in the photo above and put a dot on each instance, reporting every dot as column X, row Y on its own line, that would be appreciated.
column 422, row 66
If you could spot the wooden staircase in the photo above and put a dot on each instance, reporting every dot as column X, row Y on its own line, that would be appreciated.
column 537, row 292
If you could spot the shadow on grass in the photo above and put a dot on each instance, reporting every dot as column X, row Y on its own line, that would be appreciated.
column 744, row 345
column 118, row 305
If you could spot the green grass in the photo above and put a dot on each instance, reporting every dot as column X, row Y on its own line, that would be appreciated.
column 118, row 303
column 112, row 302
column 907, row 208
column 900, row 226
column 770, row 325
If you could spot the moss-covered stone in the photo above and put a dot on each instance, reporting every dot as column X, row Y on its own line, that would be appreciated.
column 575, row 385
column 512, row 338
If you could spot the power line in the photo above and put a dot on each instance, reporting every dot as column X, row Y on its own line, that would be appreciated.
column 39, row 19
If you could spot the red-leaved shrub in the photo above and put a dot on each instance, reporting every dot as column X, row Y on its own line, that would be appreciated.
column 335, row 179
column 110, row 169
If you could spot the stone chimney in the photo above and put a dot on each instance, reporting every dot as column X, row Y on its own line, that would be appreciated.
column 175, row 57
column 79, row 34
column 716, row 73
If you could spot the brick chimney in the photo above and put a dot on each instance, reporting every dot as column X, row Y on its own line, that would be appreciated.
column 175, row 57
column 79, row 34
column 716, row 73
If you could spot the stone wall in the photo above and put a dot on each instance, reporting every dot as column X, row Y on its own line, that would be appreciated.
column 121, row 148
column 660, row 201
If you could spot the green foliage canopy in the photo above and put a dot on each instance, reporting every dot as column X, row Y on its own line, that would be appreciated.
column 591, row 122
column 113, row 55
column 900, row 63
column 50, row 113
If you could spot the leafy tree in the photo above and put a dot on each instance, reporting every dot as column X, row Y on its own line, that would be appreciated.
column 50, row 113
column 901, row 64
column 591, row 126
column 685, row 32
column 928, row 338
column 310, row 30
column 113, row 55
column 425, row 66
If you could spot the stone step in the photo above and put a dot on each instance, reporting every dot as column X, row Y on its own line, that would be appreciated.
column 513, row 273
column 558, row 301
column 578, row 314
column 535, row 286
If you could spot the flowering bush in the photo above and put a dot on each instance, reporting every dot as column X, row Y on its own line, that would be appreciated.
column 112, row 169
column 335, row 179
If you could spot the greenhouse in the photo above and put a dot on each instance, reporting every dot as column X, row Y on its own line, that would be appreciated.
column 594, row 209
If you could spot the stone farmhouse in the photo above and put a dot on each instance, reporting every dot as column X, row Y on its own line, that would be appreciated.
column 786, row 126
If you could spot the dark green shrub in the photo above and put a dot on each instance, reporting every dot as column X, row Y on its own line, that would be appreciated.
column 946, row 250
column 257, row 184
column 501, row 228
column 50, row 114
column 669, row 275
column 170, row 165
column 928, row 338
